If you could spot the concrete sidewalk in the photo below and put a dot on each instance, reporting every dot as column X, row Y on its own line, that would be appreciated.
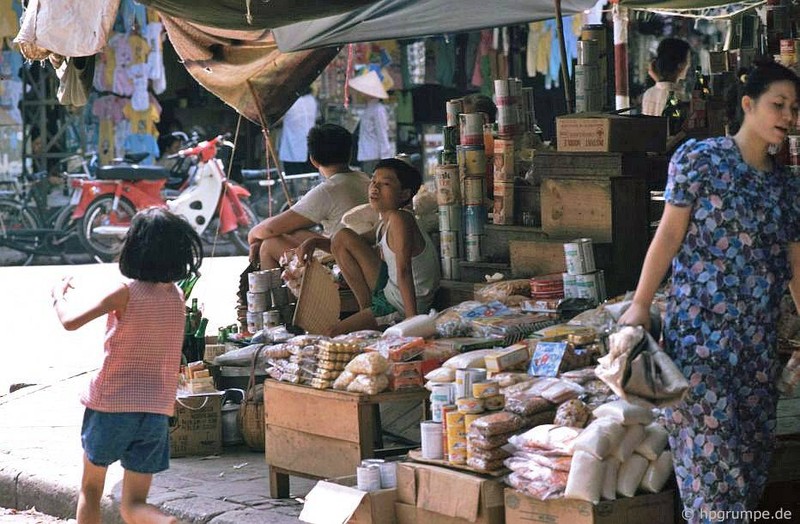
column 41, row 462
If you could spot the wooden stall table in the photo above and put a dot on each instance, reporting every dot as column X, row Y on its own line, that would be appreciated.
column 324, row 433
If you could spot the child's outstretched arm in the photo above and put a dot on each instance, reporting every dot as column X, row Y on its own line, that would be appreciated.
column 669, row 235
column 401, row 229
column 75, row 313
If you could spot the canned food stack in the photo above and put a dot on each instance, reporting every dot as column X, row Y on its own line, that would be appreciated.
column 267, row 300
column 602, row 54
column 510, row 112
column 514, row 117
column 588, row 89
column 472, row 173
column 376, row 474
column 547, row 288
column 505, row 156
column 583, row 279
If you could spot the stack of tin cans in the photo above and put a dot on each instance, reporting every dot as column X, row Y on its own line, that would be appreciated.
column 448, row 195
column 583, row 279
column 267, row 300
column 591, row 73
column 514, row 118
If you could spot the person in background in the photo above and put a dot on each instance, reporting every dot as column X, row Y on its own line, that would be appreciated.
column 480, row 103
column 297, row 122
column 130, row 399
column 731, row 231
column 373, row 132
column 329, row 149
column 169, row 145
column 401, row 278
column 673, row 58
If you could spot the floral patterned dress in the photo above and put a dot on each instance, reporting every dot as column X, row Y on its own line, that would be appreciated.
column 727, row 281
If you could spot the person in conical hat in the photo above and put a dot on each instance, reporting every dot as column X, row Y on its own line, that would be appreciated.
column 373, row 135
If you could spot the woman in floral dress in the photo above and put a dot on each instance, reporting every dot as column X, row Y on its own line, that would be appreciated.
column 730, row 230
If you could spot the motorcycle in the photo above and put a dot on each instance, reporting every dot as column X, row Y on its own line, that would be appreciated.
column 214, row 206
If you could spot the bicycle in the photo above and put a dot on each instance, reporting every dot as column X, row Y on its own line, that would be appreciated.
column 27, row 227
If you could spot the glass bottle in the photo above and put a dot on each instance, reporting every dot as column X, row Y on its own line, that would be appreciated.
column 673, row 112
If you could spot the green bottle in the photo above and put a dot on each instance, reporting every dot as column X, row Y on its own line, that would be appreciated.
column 674, row 113
column 200, row 339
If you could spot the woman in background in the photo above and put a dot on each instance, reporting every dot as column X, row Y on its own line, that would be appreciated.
column 671, row 64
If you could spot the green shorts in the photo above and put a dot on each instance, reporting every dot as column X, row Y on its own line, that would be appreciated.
column 384, row 312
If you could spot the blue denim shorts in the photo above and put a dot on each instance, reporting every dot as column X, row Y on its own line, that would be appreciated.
column 140, row 441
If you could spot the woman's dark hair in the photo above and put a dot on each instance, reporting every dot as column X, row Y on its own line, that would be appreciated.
column 764, row 73
column 160, row 247
column 330, row 144
column 670, row 57
column 408, row 175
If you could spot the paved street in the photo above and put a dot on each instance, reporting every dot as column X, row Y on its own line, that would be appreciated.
column 36, row 349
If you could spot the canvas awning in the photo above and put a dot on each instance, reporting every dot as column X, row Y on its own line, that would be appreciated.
column 397, row 19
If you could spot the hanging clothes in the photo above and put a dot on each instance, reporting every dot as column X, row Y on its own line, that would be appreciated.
column 155, row 59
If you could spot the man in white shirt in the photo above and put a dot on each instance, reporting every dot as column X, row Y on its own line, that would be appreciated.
column 297, row 122
column 329, row 149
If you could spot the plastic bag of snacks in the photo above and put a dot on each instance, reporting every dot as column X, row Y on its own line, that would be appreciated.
column 398, row 349
column 369, row 384
column 500, row 291
column 370, row 363
column 451, row 322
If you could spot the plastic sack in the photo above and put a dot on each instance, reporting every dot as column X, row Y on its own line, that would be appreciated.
column 544, row 485
column 523, row 459
column 658, row 473
column 655, row 441
column 398, row 349
column 630, row 475
column 471, row 359
column 369, row 384
column 452, row 323
column 344, row 380
column 482, row 464
column 441, row 374
column 634, row 435
column 609, row 490
column 527, row 404
column 371, row 363
column 416, row 326
column 426, row 210
column 601, row 437
column 362, row 219
column 625, row 412
column 75, row 80
column 496, row 424
column 478, row 441
column 585, row 481
column 559, row 439
column 500, row 291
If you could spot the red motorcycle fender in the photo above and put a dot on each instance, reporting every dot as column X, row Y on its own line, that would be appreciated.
column 90, row 191
column 231, row 213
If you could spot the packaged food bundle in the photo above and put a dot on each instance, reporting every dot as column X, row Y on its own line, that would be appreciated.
column 487, row 442
column 522, row 459
column 507, row 378
column 370, row 363
column 547, row 437
column 538, row 419
column 369, row 384
column 362, row 338
column 572, row 413
column 526, row 403
column 405, row 375
column 500, row 291
column 537, row 481
column 482, row 464
column 471, row 359
column 512, row 327
column 496, row 424
column 397, row 348
column 585, row 480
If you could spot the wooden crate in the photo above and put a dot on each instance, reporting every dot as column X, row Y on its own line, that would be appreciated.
column 610, row 209
column 602, row 165
column 536, row 258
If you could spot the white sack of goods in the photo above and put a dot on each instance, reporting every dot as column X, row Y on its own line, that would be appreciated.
column 634, row 435
column 609, row 491
column 585, row 481
column 559, row 439
column 416, row 326
column 441, row 374
column 361, row 219
column 658, row 473
column 601, row 437
column 625, row 412
column 630, row 475
column 655, row 441
column 471, row 359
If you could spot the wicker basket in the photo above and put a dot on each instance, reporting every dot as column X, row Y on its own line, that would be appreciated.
column 251, row 413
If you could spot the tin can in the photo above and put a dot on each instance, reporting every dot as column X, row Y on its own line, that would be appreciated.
column 472, row 248
column 368, row 478
column 457, row 450
column 271, row 318
column 471, row 160
column 474, row 220
column 469, row 418
column 448, row 190
column 465, row 378
column 443, row 392
column 591, row 286
column 473, row 190
column 570, row 285
column 431, row 437
column 589, row 101
column 469, row 405
column 254, row 321
column 389, row 474
column 448, row 244
column 450, row 218
column 588, row 52
column 503, row 210
column 508, row 120
column 504, row 160
column 453, row 108
column 450, row 137
column 587, row 77
column 471, row 128
column 579, row 256
column 599, row 33
column 258, row 302
column 488, row 388
column 259, row 281
column 451, row 268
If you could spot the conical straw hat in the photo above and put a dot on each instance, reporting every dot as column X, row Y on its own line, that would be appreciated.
column 369, row 84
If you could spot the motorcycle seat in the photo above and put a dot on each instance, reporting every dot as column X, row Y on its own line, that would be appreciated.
column 127, row 172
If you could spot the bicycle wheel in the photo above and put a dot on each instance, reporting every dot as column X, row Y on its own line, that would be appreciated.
column 104, row 246
column 16, row 248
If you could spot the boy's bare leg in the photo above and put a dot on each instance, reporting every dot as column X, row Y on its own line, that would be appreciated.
column 92, row 482
column 359, row 263
column 134, row 507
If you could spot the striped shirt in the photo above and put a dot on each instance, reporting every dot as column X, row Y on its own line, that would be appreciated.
column 142, row 353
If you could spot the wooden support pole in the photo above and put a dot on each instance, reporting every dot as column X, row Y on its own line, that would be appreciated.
column 564, row 58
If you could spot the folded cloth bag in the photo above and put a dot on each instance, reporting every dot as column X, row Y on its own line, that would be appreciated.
column 636, row 366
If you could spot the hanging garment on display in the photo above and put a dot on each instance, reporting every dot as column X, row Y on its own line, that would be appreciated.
column 74, row 80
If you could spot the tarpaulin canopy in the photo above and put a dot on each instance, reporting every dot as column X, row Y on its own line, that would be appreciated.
column 397, row 19
column 677, row 4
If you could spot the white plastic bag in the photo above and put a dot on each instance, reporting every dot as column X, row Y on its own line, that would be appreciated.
column 609, row 491
column 630, row 475
column 601, row 437
column 625, row 412
column 416, row 326
column 634, row 435
column 655, row 441
column 658, row 472
column 585, row 479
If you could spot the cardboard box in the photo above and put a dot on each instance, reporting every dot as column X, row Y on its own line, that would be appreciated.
column 337, row 502
column 434, row 495
column 642, row 509
column 196, row 427
column 507, row 358
column 595, row 132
